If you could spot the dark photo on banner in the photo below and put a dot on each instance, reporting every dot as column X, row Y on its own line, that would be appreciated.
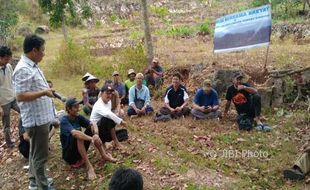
column 243, row 30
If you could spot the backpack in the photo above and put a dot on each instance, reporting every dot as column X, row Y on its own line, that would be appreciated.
column 121, row 135
column 139, row 103
column 245, row 122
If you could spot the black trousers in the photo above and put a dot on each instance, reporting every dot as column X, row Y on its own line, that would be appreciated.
column 105, row 125
column 256, row 106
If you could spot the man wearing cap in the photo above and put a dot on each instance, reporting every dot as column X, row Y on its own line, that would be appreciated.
column 139, row 98
column 116, row 106
column 90, row 93
column 206, row 103
column 7, row 95
column 75, row 143
column 154, row 75
column 176, row 99
column 119, row 87
column 246, row 100
column 129, row 83
column 105, row 119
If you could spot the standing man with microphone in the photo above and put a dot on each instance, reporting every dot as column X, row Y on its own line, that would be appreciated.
column 37, row 110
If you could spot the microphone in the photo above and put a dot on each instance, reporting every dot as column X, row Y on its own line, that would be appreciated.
column 58, row 96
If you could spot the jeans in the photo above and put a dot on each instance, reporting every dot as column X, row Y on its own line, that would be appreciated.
column 6, row 121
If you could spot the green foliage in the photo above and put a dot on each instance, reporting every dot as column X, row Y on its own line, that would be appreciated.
column 16, row 42
column 183, row 31
column 205, row 27
column 282, row 9
column 124, row 22
column 290, row 91
column 75, row 59
column 98, row 24
column 72, row 59
column 61, row 9
column 162, row 12
column 136, row 35
column 114, row 18
column 130, row 58
column 8, row 17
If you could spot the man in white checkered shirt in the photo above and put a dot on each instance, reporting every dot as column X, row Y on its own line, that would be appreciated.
column 37, row 110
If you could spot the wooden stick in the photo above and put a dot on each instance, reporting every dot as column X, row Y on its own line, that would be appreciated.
column 266, row 59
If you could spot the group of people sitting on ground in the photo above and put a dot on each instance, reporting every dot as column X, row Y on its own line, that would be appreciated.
column 33, row 94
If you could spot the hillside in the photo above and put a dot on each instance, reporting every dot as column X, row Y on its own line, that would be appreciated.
column 183, row 154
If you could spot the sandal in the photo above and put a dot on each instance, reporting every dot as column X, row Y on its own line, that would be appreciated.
column 263, row 127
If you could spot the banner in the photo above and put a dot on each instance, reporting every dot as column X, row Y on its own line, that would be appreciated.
column 243, row 30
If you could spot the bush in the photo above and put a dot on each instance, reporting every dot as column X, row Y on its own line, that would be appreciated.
column 282, row 9
column 75, row 59
column 205, row 27
column 72, row 59
column 162, row 12
column 183, row 31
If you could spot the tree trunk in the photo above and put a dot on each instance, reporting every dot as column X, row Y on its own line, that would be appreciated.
column 147, row 32
column 64, row 27
column 308, row 2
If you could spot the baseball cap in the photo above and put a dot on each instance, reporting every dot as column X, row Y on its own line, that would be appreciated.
column 107, row 88
column 72, row 102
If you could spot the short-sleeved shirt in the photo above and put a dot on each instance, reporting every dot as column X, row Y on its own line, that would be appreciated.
column 129, row 83
column 241, row 99
column 7, row 94
column 28, row 77
column 90, row 95
column 67, row 125
column 120, row 88
column 143, row 94
column 176, row 98
column 203, row 99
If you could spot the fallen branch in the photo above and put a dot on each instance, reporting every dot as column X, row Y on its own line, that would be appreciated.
column 275, row 74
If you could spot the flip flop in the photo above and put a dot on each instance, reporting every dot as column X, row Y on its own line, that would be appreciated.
column 263, row 127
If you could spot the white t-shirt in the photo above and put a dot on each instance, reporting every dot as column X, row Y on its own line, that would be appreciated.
column 7, row 93
column 101, row 109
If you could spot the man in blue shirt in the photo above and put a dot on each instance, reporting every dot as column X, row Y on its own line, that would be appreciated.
column 206, row 103
column 139, row 98
column 75, row 143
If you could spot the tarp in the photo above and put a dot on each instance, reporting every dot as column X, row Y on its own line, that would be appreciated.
column 243, row 30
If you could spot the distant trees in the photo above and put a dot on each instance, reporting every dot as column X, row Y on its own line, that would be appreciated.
column 284, row 8
column 60, row 11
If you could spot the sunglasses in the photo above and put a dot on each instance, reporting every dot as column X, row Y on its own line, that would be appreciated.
column 116, row 75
